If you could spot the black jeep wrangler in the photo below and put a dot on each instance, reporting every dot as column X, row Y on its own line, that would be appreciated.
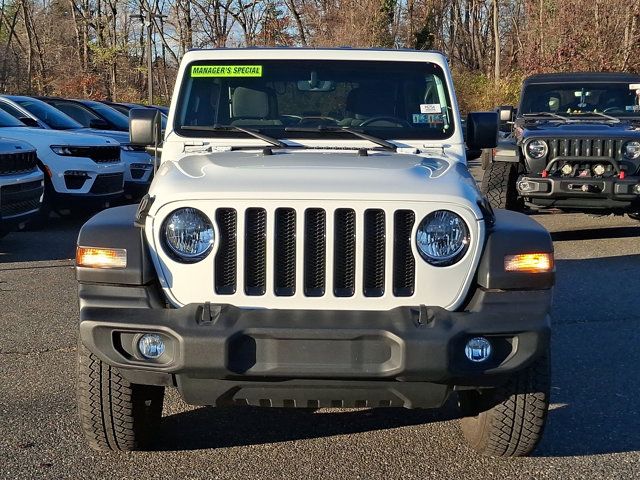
column 572, row 144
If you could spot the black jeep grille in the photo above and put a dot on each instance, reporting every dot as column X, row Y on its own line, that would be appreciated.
column 585, row 147
column 99, row 154
column 18, row 162
column 296, row 252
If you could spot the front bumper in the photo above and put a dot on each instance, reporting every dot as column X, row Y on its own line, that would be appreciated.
column 20, row 201
column 611, row 193
column 403, row 357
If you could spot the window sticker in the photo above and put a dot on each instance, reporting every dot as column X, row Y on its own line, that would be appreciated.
column 632, row 108
column 423, row 118
column 226, row 71
column 430, row 108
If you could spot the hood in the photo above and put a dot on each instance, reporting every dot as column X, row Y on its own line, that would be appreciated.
column 120, row 137
column 8, row 145
column 578, row 130
column 41, row 138
column 313, row 175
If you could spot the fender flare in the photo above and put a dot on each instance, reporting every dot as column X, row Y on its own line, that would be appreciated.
column 116, row 228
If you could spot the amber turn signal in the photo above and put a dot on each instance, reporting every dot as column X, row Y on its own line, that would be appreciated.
column 529, row 262
column 93, row 257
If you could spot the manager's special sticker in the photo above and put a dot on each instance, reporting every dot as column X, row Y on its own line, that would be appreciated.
column 430, row 108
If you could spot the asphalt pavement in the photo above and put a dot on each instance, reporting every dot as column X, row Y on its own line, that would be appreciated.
column 593, row 428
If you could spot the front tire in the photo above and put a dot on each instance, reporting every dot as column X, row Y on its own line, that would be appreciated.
column 114, row 413
column 499, row 185
column 509, row 420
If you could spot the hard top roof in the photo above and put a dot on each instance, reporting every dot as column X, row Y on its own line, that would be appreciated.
column 306, row 53
column 567, row 77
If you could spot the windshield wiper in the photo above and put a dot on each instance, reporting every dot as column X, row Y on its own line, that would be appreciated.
column 365, row 136
column 249, row 131
column 608, row 117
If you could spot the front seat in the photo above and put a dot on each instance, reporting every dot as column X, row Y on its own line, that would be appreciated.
column 252, row 106
column 364, row 103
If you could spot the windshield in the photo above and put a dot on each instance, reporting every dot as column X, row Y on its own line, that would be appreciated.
column 112, row 115
column 390, row 100
column 614, row 99
column 7, row 120
column 48, row 114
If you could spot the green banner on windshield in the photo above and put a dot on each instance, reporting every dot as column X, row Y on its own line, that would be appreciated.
column 226, row 71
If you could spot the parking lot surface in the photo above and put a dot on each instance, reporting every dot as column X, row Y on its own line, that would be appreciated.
column 593, row 428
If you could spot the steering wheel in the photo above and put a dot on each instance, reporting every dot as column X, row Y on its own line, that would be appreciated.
column 398, row 121
column 317, row 121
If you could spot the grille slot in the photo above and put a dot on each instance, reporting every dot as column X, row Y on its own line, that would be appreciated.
column 255, row 251
column 314, row 252
column 344, row 253
column 285, row 252
column 404, row 264
column 226, row 257
column 374, row 252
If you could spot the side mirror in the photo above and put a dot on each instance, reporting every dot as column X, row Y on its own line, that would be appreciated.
column 99, row 124
column 482, row 130
column 506, row 113
column 29, row 122
column 145, row 126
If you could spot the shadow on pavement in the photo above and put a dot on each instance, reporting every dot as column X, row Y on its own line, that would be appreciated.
column 209, row 427
column 596, row 233
column 54, row 241
column 595, row 358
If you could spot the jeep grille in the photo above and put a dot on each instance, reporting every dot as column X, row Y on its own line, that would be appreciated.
column 18, row 162
column 319, row 228
column 585, row 147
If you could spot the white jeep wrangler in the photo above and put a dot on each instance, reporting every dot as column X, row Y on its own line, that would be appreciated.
column 313, row 238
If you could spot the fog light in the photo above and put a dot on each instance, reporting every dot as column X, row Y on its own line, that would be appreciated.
column 478, row 349
column 636, row 189
column 567, row 169
column 151, row 345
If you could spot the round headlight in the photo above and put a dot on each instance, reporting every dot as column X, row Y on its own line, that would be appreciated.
column 188, row 234
column 632, row 150
column 442, row 238
column 537, row 148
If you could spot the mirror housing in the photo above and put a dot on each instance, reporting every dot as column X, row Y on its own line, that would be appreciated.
column 506, row 113
column 482, row 130
column 29, row 122
column 145, row 126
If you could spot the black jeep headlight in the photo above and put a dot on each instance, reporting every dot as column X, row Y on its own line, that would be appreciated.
column 537, row 149
column 188, row 235
column 442, row 238
column 632, row 150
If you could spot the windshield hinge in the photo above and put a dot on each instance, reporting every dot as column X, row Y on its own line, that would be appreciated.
column 191, row 147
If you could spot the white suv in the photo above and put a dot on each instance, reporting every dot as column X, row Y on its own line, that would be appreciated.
column 21, row 184
column 80, row 170
column 313, row 238
column 139, row 163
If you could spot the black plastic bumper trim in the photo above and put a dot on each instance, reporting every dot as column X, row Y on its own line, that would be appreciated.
column 424, row 344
